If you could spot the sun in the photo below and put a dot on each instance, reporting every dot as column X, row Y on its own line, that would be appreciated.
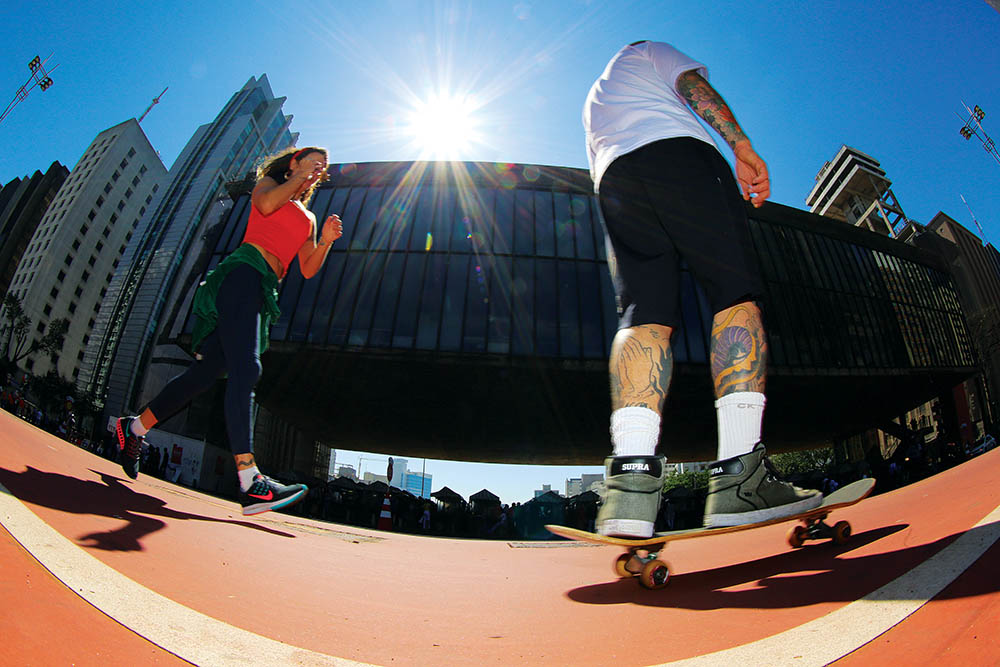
column 444, row 126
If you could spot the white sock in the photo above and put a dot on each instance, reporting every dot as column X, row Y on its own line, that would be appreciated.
column 635, row 431
column 740, row 415
column 246, row 476
column 137, row 428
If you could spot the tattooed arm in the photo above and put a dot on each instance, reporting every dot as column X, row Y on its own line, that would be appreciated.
column 751, row 172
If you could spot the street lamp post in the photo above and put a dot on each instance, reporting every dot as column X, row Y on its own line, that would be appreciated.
column 973, row 128
column 39, row 77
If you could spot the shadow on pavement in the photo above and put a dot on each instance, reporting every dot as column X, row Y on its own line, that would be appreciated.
column 814, row 574
column 111, row 498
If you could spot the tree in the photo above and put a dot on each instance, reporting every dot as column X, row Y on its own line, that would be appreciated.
column 690, row 480
column 50, row 343
column 16, row 323
column 806, row 461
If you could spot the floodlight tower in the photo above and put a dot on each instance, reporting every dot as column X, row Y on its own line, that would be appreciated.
column 39, row 77
column 974, row 126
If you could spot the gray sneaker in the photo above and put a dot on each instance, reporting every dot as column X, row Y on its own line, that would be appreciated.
column 633, row 488
column 746, row 489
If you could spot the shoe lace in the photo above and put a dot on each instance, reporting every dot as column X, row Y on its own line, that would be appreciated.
column 772, row 471
column 133, row 445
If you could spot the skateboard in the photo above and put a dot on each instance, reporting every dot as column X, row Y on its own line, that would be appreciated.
column 641, row 558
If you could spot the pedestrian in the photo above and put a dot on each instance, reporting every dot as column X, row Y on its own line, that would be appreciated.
column 666, row 196
column 235, row 306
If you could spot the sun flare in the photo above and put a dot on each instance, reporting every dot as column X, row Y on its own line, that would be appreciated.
column 443, row 126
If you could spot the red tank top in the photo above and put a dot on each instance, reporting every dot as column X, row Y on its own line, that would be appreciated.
column 282, row 233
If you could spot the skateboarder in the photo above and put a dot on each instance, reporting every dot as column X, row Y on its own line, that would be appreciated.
column 667, row 195
column 235, row 306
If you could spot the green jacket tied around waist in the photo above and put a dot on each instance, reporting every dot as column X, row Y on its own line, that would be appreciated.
column 205, row 309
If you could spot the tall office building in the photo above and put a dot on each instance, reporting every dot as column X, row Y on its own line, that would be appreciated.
column 975, row 265
column 79, row 243
column 23, row 202
column 124, row 344
column 418, row 483
column 853, row 188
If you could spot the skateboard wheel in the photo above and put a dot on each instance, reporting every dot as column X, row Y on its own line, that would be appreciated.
column 620, row 566
column 655, row 574
column 796, row 536
column 841, row 532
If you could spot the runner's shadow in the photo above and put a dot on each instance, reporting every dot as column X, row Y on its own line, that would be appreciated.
column 112, row 499
column 816, row 573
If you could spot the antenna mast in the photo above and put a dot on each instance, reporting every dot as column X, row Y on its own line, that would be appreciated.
column 982, row 234
column 156, row 100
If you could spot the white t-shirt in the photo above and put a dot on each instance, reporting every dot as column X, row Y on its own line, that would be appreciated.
column 635, row 102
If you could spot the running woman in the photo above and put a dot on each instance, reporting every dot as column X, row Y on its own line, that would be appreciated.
column 235, row 307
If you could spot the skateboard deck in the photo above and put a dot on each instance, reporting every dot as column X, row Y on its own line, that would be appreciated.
column 655, row 573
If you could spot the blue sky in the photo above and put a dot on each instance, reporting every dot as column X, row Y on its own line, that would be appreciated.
column 802, row 77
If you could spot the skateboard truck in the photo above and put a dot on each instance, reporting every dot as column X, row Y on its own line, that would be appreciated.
column 816, row 528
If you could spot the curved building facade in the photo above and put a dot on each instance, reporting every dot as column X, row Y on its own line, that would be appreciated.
column 467, row 313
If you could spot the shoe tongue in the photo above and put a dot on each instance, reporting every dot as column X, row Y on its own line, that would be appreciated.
column 646, row 465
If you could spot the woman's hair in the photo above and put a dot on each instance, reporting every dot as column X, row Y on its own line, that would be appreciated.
column 277, row 166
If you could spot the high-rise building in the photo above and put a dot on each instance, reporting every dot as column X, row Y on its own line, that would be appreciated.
column 975, row 266
column 418, row 483
column 587, row 481
column 853, row 188
column 70, row 261
column 23, row 202
column 116, row 366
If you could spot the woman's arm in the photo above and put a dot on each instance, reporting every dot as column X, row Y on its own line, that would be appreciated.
column 313, row 254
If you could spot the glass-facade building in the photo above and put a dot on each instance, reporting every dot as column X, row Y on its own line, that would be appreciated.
column 467, row 313
column 157, row 260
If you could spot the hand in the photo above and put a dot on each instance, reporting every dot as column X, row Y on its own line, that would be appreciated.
column 308, row 169
column 751, row 173
column 332, row 230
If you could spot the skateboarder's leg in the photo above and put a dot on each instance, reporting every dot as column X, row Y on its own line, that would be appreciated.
column 739, row 366
column 640, row 369
column 743, row 487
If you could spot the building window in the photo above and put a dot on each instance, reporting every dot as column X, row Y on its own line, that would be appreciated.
column 54, row 292
column 131, row 152
column 76, row 244
column 47, row 310
column 121, row 205
column 85, row 277
column 69, row 260
column 100, row 246
column 128, row 193
column 107, row 188
column 91, row 215
column 79, row 292
column 40, row 328
column 72, row 307
column 114, row 176
column 100, row 201
column 62, row 276
column 123, row 164
column 135, row 181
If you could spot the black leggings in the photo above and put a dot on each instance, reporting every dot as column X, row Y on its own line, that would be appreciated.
column 232, row 348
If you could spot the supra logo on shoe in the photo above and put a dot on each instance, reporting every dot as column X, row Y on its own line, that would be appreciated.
column 716, row 471
column 635, row 467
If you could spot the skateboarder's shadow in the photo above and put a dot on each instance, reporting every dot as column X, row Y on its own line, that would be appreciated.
column 814, row 574
column 110, row 498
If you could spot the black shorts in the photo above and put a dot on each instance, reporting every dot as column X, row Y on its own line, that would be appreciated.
column 669, row 201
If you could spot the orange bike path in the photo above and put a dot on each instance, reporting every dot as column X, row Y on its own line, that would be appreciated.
column 388, row 598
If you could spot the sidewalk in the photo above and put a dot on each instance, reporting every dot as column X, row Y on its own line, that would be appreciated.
column 235, row 589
